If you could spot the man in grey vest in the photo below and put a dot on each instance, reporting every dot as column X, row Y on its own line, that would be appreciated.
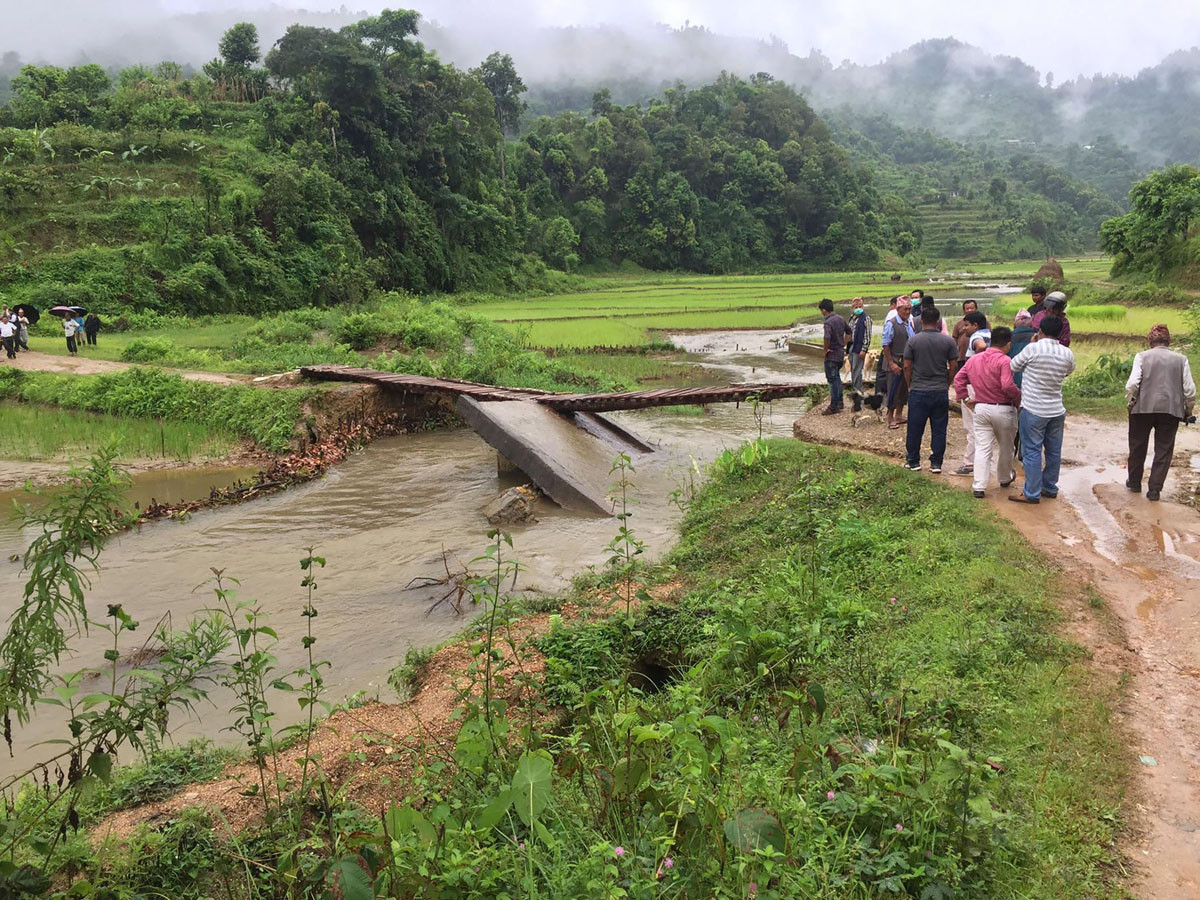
column 1161, row 394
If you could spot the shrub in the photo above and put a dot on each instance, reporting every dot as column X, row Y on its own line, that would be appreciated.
column 359, row 331
column 148, row 349
column 433, row 327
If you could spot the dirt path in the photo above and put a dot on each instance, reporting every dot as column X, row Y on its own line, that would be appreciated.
column 1144, row 560
column 33, row 361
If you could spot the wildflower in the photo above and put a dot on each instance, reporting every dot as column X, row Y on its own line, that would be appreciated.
column 899, row 827
column 753, row 888
column 618, row 851
column 830, row 795
column 521, row 846
column 668, row 863
column 893, row 600
column 756, row 718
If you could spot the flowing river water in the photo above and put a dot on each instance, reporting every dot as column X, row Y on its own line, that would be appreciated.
column 383, row 518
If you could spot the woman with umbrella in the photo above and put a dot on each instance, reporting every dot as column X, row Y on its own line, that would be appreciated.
column 70, row 325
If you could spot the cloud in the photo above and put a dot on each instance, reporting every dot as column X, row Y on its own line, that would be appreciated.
column 1066, row 37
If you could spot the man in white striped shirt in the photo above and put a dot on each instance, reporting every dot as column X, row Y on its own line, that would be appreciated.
column 1046, row 364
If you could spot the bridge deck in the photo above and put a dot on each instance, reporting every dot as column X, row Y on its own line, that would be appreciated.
column 606, row 402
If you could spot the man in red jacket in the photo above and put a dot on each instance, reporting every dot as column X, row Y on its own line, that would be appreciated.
column 995, row 406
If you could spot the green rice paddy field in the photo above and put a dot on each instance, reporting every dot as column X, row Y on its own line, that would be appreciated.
column 632, row 311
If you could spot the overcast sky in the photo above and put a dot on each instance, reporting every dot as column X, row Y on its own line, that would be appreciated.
column 1067, row 37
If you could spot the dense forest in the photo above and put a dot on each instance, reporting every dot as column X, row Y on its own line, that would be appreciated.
column 355, row 158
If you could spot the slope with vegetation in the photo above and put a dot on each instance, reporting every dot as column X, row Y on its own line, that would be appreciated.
column 356, row 160
column 971, row 201
column 795, row 716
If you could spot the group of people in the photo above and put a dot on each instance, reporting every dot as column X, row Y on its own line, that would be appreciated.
column 77, row 329
column 1009, row 382
column 14, row 331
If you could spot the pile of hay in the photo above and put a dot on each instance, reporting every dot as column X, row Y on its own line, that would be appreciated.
column 1050, row 270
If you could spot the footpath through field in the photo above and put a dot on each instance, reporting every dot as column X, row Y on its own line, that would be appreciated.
column 1141, row 562
column 35, row 361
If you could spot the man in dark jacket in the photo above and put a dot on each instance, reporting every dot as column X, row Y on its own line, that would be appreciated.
column 835, row 355
column 1038, row 295
column 1161, row 394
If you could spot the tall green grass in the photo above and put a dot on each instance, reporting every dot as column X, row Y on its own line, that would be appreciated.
column 36, row 432
column 267, row 416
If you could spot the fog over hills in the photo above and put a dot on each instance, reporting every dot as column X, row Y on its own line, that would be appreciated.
column 956, row 89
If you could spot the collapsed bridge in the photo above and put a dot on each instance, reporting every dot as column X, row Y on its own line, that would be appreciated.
column 561, row 441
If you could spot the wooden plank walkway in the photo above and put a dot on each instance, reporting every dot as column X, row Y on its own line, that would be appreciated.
column 605, row 402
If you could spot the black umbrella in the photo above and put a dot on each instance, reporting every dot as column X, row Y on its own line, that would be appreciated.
column 31, row 313
column 79, row 310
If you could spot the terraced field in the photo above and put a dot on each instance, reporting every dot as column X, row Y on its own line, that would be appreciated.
column 631, row 312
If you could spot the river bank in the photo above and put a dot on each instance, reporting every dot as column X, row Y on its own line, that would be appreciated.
column 845, row 707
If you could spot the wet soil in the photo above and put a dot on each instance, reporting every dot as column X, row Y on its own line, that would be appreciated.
column 1140, row 562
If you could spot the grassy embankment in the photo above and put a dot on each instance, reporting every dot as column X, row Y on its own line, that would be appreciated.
column 139, row 398
column 890, row 714
column 37, row 432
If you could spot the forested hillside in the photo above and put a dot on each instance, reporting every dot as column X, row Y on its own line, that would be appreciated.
column 974, row 201
column 357, row 159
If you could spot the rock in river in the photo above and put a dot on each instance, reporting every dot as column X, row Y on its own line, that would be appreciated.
column 514, row 505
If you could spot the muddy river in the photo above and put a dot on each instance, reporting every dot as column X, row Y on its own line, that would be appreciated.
column 385, row 517
column 381, row 519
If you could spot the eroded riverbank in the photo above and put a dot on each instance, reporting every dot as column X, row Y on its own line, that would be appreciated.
column 382, row 518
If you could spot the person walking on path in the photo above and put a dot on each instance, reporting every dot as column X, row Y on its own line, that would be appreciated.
column 860, row 342
column 989, row 377
column 976, row 337
column 896, row 335
column 835, row 355
column 78, row 331
column 929, row 362
column 1161, row 394
column 91, row 328
column 70, row 329
column 7, row 330
column 1055, row 305
column 22, row 327
column 1046, row 364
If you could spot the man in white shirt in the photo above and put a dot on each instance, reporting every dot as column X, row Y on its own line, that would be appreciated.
column 8, row 336
column 1046, row 364
column 70, row 328
column 1161, row 394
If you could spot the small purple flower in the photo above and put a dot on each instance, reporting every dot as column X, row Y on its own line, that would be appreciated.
column 899, row 827
column 830, row 795
column 893, row 600
column 753, row 889
column 521, row 846
column 756, row 718
column 618, row 851
column 668, row 863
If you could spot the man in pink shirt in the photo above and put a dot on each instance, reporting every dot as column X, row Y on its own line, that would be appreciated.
column 995, row 406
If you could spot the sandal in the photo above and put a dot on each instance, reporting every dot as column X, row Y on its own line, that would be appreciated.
column 894, row 426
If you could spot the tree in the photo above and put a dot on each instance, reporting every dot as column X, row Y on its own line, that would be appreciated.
column 1153, row 236
column 239, row 46
column 499, row 75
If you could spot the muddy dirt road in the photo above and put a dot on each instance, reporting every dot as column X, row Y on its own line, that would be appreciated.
column 1143, row 559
